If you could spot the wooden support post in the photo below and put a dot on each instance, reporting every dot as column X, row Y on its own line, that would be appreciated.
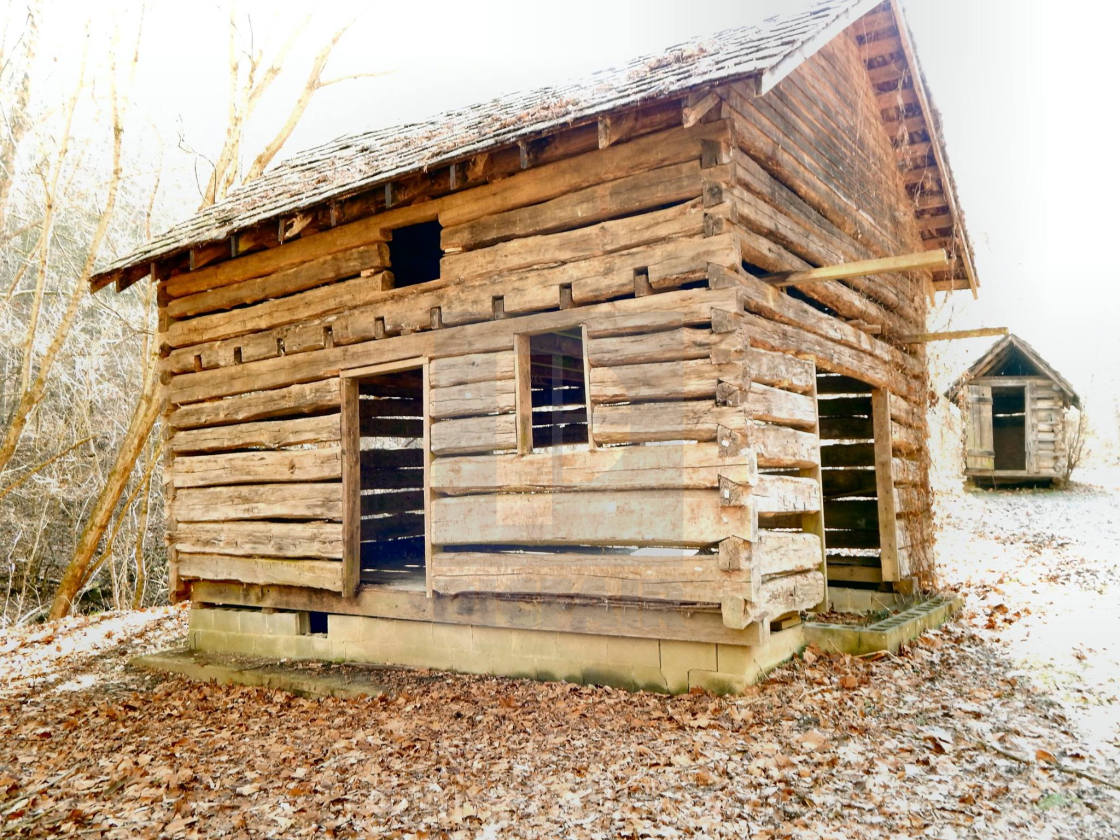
column 813, row 523
column 351, row 446
column 523, row 396
column 884, row 484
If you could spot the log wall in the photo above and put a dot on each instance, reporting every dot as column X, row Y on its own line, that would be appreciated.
column 700, row 482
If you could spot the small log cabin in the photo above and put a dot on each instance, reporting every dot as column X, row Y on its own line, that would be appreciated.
column 1016, row 412
column 606, row 381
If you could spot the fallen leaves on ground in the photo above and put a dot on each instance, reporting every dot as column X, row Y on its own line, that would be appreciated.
column 951, row 738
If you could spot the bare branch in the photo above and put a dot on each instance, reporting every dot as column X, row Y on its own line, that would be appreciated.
column 313, row 83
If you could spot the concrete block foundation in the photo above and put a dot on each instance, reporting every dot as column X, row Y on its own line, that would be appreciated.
column 639, row 664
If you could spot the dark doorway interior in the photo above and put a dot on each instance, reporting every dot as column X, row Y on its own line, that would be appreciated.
column 1009, row 427
column 851, row 507
column 391, row 419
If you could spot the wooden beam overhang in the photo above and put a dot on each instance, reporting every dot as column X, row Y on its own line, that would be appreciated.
column 917, row 261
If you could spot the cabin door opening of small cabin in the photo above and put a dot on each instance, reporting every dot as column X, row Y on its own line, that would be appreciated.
column 849, row 482
column 1009, row 427
column 391, row 454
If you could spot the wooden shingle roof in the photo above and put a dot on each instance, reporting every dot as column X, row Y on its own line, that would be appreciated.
column 995, row 357
column 765, row 51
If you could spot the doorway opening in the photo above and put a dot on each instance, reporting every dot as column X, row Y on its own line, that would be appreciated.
column 1009, row 427
column 848, row 481
column 391, row 486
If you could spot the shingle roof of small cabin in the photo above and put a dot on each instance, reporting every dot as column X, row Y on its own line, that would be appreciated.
column 766, row 51
column 996, row 356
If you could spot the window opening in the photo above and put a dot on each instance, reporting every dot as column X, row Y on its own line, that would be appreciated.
column 558, row 392
column 414, row 253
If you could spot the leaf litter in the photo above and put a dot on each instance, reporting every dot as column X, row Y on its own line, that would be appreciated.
column 959, row 735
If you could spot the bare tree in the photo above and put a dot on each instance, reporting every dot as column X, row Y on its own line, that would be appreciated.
column 247, row 85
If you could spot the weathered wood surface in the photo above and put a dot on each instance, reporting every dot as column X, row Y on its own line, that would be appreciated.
column 298, row 465
column 278, row 284
column 271, row 434
column 258, row 501
column 304, row 398
column 260, row 538
column 312, row 574
column 630, row 194
column 693, row 306
column 685, row 518
column 683, row 466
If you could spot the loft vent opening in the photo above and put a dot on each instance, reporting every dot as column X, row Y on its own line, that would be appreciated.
column 414, row 253
column 557, row 389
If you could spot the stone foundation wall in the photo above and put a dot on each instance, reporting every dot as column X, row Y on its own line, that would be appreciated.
column 650, row 664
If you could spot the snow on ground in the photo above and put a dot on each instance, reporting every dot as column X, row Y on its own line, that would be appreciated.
column 1003, row 724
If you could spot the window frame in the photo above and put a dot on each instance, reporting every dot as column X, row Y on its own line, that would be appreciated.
column 523, row 396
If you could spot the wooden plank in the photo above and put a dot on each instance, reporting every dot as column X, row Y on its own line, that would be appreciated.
column 626, row 620
column 272, row 260
column 291, row 466
column 304, row 398
column 624, row 196
column 682, row 380
column 789, row 593
column 350, row 458
column 260, row 539
column 473, row 398
column 693, row 305
column 258, row 501
column 760, row 298
column 261, row 571
column 786, row 494
column 474, row 435
column 685, row 518
column 682, row 466
column 648, row 577
column 891, row 563
column 916, row 261
column 303, row 306
column 681, row 220
column 472, row 367
column 774, row 405
column 271, row 434
column 951, row 335
column 841, row 573
column 780, row 370
column 299, row 278
column 546, row 182
column 826, row 354
column 662, row 346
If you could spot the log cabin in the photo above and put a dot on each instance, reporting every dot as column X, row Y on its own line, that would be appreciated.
column 607, row 381
column 1016, row 411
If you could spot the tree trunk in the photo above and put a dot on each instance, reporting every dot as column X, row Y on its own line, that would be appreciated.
column 80, row 565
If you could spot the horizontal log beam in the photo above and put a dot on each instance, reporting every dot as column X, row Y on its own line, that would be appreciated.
column 916, row 261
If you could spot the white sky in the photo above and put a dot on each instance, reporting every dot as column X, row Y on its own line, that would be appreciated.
column 1022, row 86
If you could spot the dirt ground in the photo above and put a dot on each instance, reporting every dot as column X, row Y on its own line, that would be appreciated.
column 1005, row 723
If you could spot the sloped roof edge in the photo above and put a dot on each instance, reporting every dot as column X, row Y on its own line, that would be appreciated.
column 767, row 50
column 986, row 362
